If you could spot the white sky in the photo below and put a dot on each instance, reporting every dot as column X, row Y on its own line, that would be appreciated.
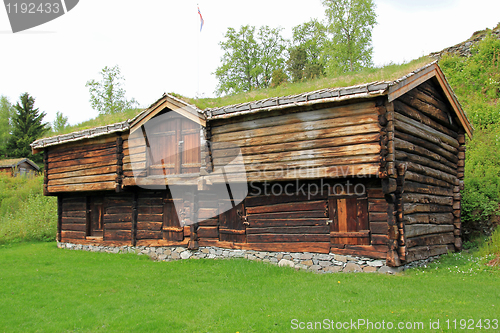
column 159, row 48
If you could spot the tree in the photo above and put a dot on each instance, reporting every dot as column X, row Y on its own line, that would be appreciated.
column 6, row 112
column 350, row 22
column 249, row 60
column 108, row 96
column 59, row 123
column 27, row 126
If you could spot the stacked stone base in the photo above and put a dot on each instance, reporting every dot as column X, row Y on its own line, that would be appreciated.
column 315, row 262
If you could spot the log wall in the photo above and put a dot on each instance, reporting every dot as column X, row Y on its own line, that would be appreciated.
column 88, row 165
column 331, row 141
column 428, row 152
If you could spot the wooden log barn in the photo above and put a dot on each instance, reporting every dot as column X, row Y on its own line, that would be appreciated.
column 372, row 170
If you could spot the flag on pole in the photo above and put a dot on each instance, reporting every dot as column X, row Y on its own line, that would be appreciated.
column 201, row 19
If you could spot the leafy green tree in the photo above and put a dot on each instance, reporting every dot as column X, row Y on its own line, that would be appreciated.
column 309, row 41
column 350, row 22
column 6, row 112
column 107, row 96
column 59, row 123
column 27, row 126
column 249, row 58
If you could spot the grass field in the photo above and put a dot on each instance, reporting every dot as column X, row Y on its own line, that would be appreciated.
column 46, row 289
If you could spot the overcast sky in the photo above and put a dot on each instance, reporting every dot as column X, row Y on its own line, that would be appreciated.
column 159, row 47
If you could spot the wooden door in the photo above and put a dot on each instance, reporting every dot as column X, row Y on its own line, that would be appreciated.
column 231, row 227
column 349, row 217
column 190, row 146
column 172, row 229
column 95, row 216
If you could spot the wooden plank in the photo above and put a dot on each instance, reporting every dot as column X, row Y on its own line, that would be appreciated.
column 375, row 193
column 111, row 218
column 149, row 234
column 410, row 129
column 143, row 209
column 423, row 170
column 417, row 159
column 117, row 235
column 424, row 252
column 83, row 154
column 74, row 206
column 379, row 228
column 76, row 220
column 379, row 239
column 154, row 226
column 310, row 146
column 73, row 227
column 297, row 127
column 427, row 198
column 80, row 214
column 287, row 222
column 206, row 213
column 314, row 247
column 427, row 109
column 351, row 234
column 377, row 217
column 437, row 134
column 446, row 238
column 418, row 116
column 73, row 234
column 82, row 161
column 118, row 210
column 415, row 230
column 287, row 118
column 208, row 232
column 150, row 218
column 278, row 238
column 269, row 199
column 81, row 167
column 322, row 229
column 118, row 225
column 209, row 222
column 378, row 205
column 61, row 154
column 82, row 180
column 86, row 172
column 411, row 208
column 288, row 215
column 407, row 143
column 445, row 218
column 415, row 177
column 288, row 207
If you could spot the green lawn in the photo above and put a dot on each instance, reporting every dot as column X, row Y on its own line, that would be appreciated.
column 46, row 289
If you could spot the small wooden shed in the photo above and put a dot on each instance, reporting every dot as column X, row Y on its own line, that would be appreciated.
column 19, row 166
column 373, row 170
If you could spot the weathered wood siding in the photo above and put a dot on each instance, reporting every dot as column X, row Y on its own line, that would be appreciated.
column 89, row 165
column 332, row 142
column 429, row 147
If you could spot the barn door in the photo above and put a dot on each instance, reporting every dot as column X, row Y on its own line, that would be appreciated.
column 231, row 226
column 95, row 216
column 349, row 216
column 172, row 229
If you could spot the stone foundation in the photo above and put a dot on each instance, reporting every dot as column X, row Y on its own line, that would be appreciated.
column 315, row 262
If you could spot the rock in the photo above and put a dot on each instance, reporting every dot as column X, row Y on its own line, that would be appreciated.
column 352, row 267
column 315, row 268
column 306, row 256
column 323, row 257
column 340, row 258
column 307, row 263
column 251, row 257
column 279, row 256
column 179, row 249
column 205, row 250
column 333, row 269
column 375, row 263
column 286, row 262
column 162, row 257
column 369, row 269
column 287, row 257
column 176, row 255
column 389, row 270
column 296, row 255
column 324, row 263
column 167, row 252
column 185, row 255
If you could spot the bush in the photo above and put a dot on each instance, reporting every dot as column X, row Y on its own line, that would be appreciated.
column 25, row 214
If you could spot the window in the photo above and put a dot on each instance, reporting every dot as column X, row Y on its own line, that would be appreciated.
column 173, row 143
column 349, row 216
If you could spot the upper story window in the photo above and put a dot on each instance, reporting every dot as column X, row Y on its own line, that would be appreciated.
column 173, row 143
